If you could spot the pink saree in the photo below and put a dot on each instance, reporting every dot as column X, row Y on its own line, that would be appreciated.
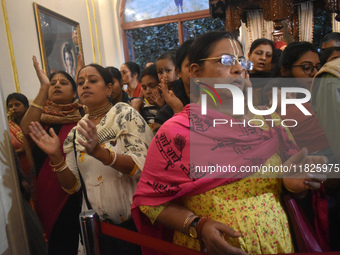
column 188, row 140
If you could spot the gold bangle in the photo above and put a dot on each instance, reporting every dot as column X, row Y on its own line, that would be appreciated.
column 290, row 190
column 185, row 224
column 133, row 170
column 60, row 169
column 114, row 158
column 108, row 163
column 57, row 165
column 37, row 106
column 72, row 190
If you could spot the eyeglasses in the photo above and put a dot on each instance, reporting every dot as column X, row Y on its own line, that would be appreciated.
column 229, row 60
column 308, row 68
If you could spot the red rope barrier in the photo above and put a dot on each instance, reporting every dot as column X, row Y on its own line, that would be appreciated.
column 147, row 241
column 161, row 245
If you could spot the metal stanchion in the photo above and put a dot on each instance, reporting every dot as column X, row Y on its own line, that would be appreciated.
column 90, row 231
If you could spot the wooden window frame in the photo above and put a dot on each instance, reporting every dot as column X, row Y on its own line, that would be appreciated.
column 178, row 18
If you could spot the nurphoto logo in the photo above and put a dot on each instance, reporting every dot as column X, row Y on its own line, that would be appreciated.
column 242, row 98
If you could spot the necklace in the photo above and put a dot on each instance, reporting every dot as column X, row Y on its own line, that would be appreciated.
column 95, row 114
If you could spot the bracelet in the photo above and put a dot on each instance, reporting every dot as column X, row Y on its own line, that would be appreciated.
column 60, row 169
column 61, row 163
column 37, row 106
column 112, row 159
column 200, row 225
column 72, row 190
column 185, row 224
column 290, row 190
column 133, row 170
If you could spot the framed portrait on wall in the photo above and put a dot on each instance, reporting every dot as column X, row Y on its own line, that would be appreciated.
column 59, row 40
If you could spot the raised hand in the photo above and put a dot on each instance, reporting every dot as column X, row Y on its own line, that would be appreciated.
column 88, row 130
column 300, row 178
column 158, row 98
column 44, row 81
column 212, row 232
column 50, row 144
column 80, row 64
column 170, row 98
column 80, row 60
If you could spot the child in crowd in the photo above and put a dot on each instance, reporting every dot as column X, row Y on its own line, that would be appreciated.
column 178, row 97
column 166, row 65
column 153, row 99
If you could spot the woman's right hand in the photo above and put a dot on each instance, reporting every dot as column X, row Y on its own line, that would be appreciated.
column 50, row 144
column 44, row 81
column 212, row 232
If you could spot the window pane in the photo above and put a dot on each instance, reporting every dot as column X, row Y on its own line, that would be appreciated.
column 137, row 10
column 196, row 27
column 322, row 25
column 150, row 42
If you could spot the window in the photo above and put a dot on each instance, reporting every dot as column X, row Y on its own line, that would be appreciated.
column 322, row 25
column 197, row 27
column 139, row 10
column 150, row 42
column 151, row 28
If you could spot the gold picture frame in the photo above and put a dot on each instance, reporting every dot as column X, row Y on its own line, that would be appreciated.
column 59, row 40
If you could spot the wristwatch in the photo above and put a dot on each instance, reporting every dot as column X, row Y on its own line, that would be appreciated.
column 193, row 228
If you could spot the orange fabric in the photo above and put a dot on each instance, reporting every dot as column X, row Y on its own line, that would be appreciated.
column 18, row 140
column 17, row 137
column 138, row 91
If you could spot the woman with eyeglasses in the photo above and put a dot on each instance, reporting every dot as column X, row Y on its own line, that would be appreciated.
column 229, row 211
column 300, row 60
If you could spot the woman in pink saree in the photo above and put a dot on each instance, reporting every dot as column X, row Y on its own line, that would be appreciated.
column 233, row 211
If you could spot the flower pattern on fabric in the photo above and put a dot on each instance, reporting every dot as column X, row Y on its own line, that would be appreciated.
column 251, row 205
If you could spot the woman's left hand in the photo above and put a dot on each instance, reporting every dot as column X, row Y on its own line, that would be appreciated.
column 299, row 181
column 89, row 131
column 49, row 143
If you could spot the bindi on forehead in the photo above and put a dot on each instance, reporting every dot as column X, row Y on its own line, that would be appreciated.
column 59, row 77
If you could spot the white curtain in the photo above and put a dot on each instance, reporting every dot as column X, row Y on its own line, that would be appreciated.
column 268, row 29
column 244, row 38
column 255, row 24
column 306, row 21
column 335, row 24
column 257, row 28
